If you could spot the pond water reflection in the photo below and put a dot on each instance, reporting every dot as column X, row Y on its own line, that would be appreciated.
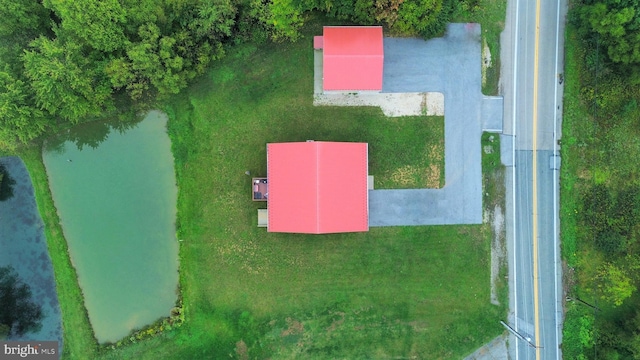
column 23, row 246
column 116, row 198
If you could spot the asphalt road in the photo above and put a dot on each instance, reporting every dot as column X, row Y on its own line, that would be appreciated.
column 532, row 62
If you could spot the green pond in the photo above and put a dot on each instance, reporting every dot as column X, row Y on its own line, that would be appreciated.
column 114, row 187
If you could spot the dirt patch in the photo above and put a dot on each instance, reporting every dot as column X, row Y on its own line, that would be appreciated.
column 498, row 251
column 405, row 176
column 584, row 174
column 433, row 104
column 336, row 322
column 486, row 61
column 432, row 176
column 568, row 281
column 242, row 350
column 294, row 327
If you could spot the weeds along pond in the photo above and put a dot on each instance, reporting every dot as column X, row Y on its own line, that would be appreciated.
column 114, row 188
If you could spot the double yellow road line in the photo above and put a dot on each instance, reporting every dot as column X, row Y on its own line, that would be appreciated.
column 534, row 169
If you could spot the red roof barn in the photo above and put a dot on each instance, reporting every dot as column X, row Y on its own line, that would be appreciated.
column 317, row 187
column 352, row 58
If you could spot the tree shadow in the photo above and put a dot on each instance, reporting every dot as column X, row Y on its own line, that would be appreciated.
column 91, row 134
column 18, row 313
column 6, row 184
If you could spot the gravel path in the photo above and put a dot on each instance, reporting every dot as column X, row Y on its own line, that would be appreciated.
column 391, row 104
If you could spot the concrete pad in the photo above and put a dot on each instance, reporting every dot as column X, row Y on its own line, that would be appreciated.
column 506, row 150
column 391, row 104
column 317, row 71
column 494, row 350
column 492, row 113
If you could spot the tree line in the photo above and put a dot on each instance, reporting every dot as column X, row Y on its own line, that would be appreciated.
column 608, row 191
column 65, row 62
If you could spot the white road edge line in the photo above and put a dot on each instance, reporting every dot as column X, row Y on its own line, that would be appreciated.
column 513, row 144
column 555, row 183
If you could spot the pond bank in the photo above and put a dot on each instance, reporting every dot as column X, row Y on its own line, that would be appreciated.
column 115, row 194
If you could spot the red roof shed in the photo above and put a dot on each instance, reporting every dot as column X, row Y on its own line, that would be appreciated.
column 317, row 187
column 352, row 58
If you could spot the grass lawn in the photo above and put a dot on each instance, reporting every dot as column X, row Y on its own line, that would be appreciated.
column 418, row 292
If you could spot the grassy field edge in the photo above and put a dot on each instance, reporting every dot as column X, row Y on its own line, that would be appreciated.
column 579, row 322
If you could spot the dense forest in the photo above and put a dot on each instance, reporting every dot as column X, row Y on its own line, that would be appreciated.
column 601, row 222
column 64, row 62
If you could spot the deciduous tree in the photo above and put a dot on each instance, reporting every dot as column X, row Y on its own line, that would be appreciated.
column 616, row 24
column 22, row 18
column 615, row 285
column 67, row 83
column 98, row 23
column 20, row 119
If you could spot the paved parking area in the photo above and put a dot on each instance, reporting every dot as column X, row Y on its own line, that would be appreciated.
column 450, row 65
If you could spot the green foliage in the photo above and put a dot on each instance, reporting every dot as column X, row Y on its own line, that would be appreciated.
column 66, row 83
column 152, row 61
column 615, row 284
column 285, row 19
column 615, row 25
column 76, row 58
column 98, row 23
column 174, row 321
column 599, row 196
column 22, row 18
column 611, row 219
column 420, row 16
column 578, row 332
column 426, row 18
column 73, row 59
column 20, row 120
column 214, row 20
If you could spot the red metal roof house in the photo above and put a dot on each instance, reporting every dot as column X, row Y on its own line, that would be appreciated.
column 352, row 58
column 317, row 187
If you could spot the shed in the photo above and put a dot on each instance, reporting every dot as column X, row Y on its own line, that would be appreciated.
column 352, row 58
column 317, row 187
